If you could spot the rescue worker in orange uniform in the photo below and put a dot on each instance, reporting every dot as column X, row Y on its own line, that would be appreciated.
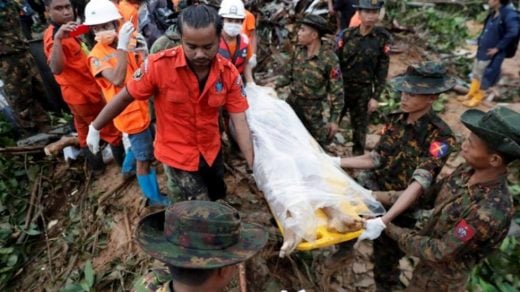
column 234, row 45
column 67, row 57
column 190, row 84
column 113, row 61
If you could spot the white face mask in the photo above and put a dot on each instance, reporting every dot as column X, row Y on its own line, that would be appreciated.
column 232, row 29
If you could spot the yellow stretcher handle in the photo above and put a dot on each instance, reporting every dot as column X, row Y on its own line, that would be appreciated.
column 325, row 237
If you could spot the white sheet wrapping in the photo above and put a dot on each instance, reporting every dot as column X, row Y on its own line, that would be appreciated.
column 296, row 176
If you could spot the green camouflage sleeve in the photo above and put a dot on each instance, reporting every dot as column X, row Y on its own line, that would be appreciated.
column 335, row 88
column 382, row 70
column 286, row 78
column 476, row 227
column 430, row 165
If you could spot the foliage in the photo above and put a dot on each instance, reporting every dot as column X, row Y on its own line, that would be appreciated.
column 17, row 174
column 86, row 284
column 443, row 28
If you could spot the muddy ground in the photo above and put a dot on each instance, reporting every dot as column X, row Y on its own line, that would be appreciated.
column 96, row 220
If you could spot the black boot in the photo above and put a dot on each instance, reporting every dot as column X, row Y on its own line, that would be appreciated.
column 118, row 152
column 94, row 161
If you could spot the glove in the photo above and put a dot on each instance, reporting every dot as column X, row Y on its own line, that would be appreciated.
column 252, row 61
column 141, row 45
column 373, row 229
column 250, row 84
column 93, row 139
column 336, row 160
column 125, row 33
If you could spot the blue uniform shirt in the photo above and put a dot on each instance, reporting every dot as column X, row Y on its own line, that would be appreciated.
column 490, row 37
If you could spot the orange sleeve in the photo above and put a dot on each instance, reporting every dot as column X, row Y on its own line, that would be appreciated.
column 128, row 11
column 249, row 50
column 96, row 64
column 249, row 22
column 236, row 101
column 142, row 84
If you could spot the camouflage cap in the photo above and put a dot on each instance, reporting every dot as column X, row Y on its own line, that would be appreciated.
column 369, row 4
column 425, row 78
column 317, row 22
column 499, row 127
column 199, row 234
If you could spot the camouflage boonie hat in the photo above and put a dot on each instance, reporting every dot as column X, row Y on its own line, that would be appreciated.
column 426, row 78
column 199, row 235
column 317, row 22
column 499, row 128
column 369, row 4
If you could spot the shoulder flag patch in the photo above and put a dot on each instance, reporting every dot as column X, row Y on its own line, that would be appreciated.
column 386, row 49
column 335, row 73
column 464, row 231
column 439, row 149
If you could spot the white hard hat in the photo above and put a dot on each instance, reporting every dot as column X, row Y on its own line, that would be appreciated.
column 232, row 9
column 100, row 11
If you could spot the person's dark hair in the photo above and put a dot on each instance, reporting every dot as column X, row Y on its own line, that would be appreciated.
column 504, row 2
column 47, row 3
column 191, row 277
column 200, row 16
column 506, row 159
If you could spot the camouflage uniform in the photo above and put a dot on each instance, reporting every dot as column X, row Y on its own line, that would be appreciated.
column 364, row 63
column 195, row 235
column 312, row 80
column 18, row 70
column 170, row 39
column 405, row 152
column 468, row 223
column 159, row 280
column 409, row 151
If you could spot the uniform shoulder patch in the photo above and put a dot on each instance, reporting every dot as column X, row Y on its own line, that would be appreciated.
column 138, row 74
column 95, row 62
column 439, row 149
column 335, row 73
column 463, row 231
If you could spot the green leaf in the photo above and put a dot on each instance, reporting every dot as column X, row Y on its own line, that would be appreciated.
column 89, row 274
column 32, row 232
column 13, row 259
column 72, row 288
column 6, row 250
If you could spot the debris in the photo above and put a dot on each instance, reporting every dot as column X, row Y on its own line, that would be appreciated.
column 55, row 147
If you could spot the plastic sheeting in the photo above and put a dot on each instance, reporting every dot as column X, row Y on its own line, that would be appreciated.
column 296, row 176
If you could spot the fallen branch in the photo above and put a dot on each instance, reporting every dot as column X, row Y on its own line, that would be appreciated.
column 22, row 150
column 114, row 189
column 242, row 277
column 128, row 230
column 56, row 147
column 28, row 216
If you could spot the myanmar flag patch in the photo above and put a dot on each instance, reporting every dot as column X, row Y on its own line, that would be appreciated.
column 439, row 149
column 464, row 231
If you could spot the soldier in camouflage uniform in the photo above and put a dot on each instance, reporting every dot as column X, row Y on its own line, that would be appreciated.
column 314, row 74
column 23, row 85
column 200, row 242
column 363, row 55
column 170, row 39
column 412, row 151
column 473, row 207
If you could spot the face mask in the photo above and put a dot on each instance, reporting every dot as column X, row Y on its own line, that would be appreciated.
column 106, row 37
column 232, row 29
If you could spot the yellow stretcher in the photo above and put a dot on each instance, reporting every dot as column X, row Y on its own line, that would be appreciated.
column 325, row 237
